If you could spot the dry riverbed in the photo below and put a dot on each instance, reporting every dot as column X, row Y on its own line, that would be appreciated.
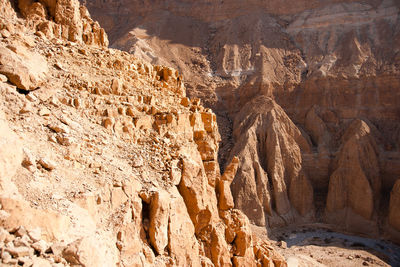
column 315, row 246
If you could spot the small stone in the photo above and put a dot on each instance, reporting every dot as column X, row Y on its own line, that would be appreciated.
column 21, row 231
column 5, row 33
column 35, row 234
column 28, row 160
column 52, row 138
column 108, row 123
column 59, row 128
column 55, row 102
column 5, row 256
column 365, row 263
column 39, row 262
column 116, row 86
column 3, row 78
column 25, row 261
column 27, row 108
column 20, row 251
column 23, row 241
column 58, row 66
column 10, row 244
column 77, row 103
column 40, row 246
column 3, row 235
column 185, row 102
column 31, row 97
column 64, row 140
column 282, row 244
column 47, row 164
column 44, row 112
column 137, row 162
column 57, row 249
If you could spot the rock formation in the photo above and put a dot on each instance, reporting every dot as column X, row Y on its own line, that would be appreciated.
column 63, row 19
column 331, row 69
column 354, row 187
column 104, row 161
column 269, row 147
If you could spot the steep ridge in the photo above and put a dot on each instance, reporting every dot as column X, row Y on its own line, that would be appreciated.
column 104, row 161
column 329, row 65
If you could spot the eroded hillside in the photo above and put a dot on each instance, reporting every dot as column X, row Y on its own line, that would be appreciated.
column 104, row 161
column 306, row 94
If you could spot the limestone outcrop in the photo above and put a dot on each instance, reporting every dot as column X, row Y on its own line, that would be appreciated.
column 65, row 19
column 104, row 160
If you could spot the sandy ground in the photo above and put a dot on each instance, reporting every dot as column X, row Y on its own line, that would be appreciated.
column 314, row 246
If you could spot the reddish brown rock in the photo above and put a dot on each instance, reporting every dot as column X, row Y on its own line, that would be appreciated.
column 394, row 212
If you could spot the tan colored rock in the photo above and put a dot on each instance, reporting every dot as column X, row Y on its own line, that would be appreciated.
column 47, row 164
column 11, row 155
column 41, row 246
column 270, row 173
column 317, row 129
column 20, row 251
column 40, row 262
column 144, row 122
column 225, row 200
column 212, row 171
column 118, row 197
column 25, row 69
column 195, row 190
column 355, row 184
column 238, row 232
column 3, row 78
column 84, row 252
column 230, row 170
column 159, row 216
column 220, row 255
column 22, row 214
column 181, row 233
column 116, row 86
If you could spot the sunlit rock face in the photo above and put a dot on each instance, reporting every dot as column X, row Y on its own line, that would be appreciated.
column 305, row 93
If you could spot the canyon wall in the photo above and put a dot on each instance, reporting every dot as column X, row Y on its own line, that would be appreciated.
column 104, row 161
column 306, row 95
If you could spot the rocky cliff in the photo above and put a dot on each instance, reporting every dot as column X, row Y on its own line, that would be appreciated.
column 104, row 161
column 305, row 93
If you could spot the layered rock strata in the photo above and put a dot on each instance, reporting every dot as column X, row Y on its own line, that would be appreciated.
column 104, row 161
column 328, row 65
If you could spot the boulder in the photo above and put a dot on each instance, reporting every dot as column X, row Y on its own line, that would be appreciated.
column 84, row 252
column 25, row 69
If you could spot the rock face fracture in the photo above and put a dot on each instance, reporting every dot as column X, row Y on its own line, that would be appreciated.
column 306, row 95
column 104, row 160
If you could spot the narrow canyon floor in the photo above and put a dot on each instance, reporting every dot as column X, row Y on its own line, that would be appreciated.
column 318, row 245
